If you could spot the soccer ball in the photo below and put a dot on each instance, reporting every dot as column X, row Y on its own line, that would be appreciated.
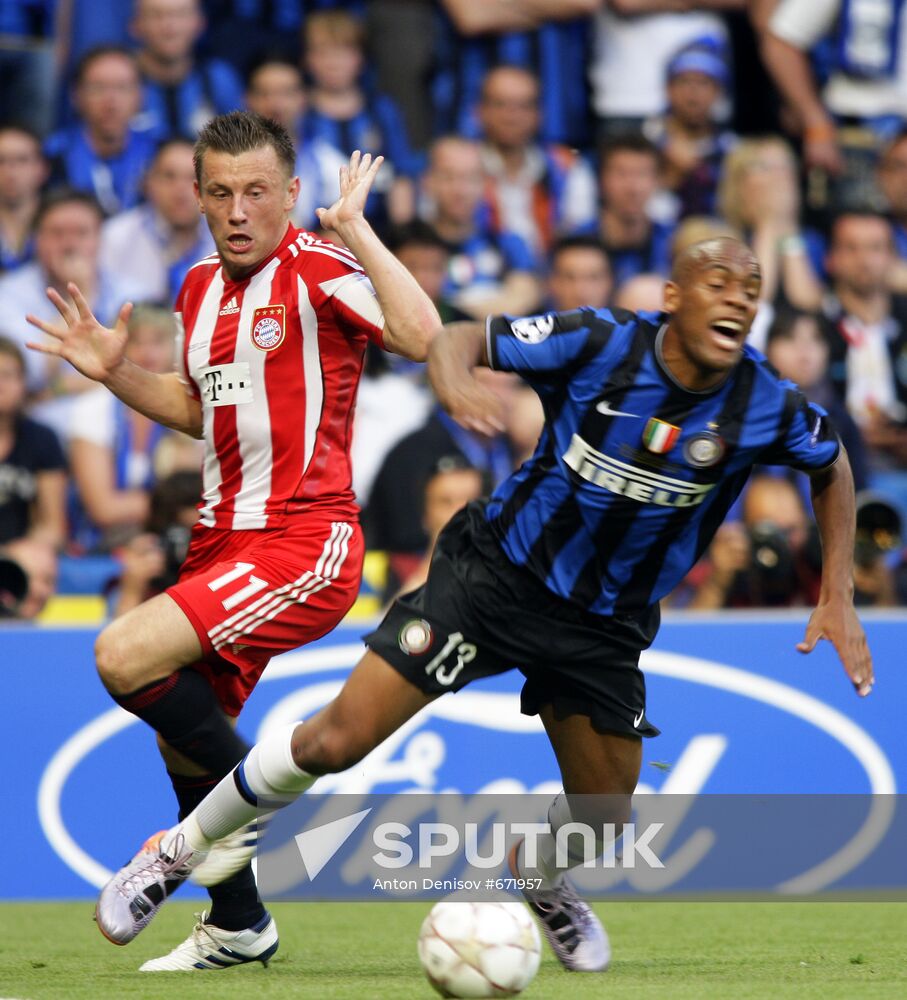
column 479, row 949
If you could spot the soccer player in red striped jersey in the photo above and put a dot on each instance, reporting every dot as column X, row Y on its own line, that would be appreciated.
column 273, row 329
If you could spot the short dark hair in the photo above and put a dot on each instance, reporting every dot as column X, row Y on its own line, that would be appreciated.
column 416, row 233
column 11, row 349
column 857, row 213
column 23, row 128
column 567, row 243
column 241, row 132
column 273, row 60
column 66, row 196
column 99, row 52
column 785, row 321
column 630, row 142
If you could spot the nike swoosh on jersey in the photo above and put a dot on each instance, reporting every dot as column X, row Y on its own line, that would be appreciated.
column 605, row 407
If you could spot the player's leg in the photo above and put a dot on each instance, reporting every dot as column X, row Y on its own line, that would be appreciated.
column 144, row 660
column 374, row 702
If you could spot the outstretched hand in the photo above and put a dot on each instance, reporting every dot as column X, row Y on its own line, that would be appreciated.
column 91, row 348
column 355, row 183
column 838, row 622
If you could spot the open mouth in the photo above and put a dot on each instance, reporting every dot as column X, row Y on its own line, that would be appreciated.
column 729, row 332
column 239, row 242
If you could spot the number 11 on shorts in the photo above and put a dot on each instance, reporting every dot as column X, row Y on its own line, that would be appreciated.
column 252, row 587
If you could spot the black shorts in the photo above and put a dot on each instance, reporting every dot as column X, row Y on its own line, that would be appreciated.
column 478, row 615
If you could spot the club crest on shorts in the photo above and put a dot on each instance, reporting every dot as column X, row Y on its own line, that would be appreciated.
column 660, row 436
column 415, row 637
column 704, row 449
column 268, row 327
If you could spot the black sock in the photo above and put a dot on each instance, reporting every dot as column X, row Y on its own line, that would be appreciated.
column 235, row 903
column 184, row 710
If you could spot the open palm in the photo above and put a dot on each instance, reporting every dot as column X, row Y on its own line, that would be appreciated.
column 91, row 348
column 355, row 183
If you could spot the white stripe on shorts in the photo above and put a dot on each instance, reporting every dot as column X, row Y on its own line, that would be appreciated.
column 269, row 605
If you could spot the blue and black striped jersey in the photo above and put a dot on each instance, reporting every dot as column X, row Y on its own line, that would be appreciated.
column 633, row 473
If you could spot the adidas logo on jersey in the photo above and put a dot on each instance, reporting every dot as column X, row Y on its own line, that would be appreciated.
column 230, row 308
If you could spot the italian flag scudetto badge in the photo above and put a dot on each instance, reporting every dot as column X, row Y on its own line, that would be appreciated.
column 660, row 436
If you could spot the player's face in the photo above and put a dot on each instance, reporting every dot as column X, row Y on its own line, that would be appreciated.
column 247, row 200
column 580, row 277
column 712, row 309
column 171, row 186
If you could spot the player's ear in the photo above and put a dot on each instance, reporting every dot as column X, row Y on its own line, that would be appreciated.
column 292, row 194
column 672, row 296
column 198, row 196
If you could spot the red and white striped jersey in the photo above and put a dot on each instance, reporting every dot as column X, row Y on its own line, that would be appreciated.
column 275, row 361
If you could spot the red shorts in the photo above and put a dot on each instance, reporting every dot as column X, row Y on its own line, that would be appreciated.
column 253, row 594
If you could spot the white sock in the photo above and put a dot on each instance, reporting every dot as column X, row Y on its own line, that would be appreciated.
column 546, row 867
column 267, row 775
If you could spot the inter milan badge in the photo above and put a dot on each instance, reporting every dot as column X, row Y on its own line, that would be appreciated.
column 660, row 436
column 703, row 449
column 415, row 637
column 268, row 327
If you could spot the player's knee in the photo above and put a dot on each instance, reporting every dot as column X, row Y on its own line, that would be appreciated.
column 112, row 662
column 326, row 749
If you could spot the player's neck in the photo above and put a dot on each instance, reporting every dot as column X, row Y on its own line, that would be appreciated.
column 680, row 367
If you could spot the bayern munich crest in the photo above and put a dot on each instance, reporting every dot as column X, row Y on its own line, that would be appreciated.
column 703, row 449
column 415, row 637
column 268, row 327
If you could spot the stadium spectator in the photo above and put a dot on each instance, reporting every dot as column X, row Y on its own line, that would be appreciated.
column 103, row 152
column 345, row 114
column 28, row 72
column 892, row 176
column 23, row 172
column 634, row 41
column 112, row 447
column 452, row 484
column 488, row 271
column 180, row 92
column 799, row 350
column 276, row 91
column 67, row 244
column 692, row 143
column 628, row 171
column 37, row 559
column 153, row 245
column 32, row 466
column 547, row 37
column 392, row 520
column 536, row 191
column 864, row 65
column 641, row 293
column 151, row 560
column 759, row 195
column 579, row 274
column 866, row 327
column 771, row 559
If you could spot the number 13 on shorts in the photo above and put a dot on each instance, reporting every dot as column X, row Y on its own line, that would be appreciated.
column 239, row 571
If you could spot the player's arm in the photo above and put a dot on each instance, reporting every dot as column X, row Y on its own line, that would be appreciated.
column 99, row 353
column 410, row 317
column 835, row 617
column 472, row 18
column 452, row 356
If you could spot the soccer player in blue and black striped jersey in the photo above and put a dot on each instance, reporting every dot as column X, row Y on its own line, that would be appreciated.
column 653, row 423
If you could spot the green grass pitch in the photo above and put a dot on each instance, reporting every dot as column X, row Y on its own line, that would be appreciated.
column 662, row 951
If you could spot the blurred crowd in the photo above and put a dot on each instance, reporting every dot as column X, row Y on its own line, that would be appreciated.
column 539, row 154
